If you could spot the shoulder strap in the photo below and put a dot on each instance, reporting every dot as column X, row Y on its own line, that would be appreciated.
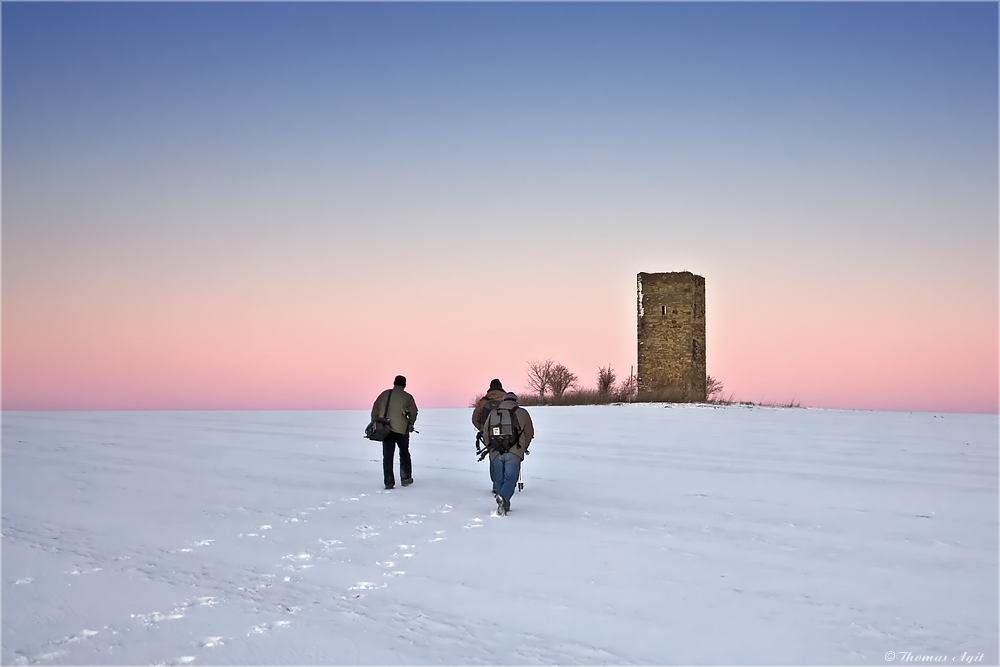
column 385, row 413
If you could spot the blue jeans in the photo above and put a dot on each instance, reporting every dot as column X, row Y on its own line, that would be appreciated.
column 506, row 469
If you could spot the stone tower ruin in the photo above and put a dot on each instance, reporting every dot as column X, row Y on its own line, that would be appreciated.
column 671, row 337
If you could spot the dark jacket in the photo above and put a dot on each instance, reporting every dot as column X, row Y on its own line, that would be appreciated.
column 523, row 423
column 402, row 409
column 492, row 394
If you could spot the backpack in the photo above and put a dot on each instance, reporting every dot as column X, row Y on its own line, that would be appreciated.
column 490, row 405
column 500, row 430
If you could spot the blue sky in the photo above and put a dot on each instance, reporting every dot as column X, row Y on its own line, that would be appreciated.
column 838, row 157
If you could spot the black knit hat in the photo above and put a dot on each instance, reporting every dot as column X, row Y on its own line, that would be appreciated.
column 495, row 384
column 400, row 381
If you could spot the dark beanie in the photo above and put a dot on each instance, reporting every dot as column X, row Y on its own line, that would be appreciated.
column 495, row 384
column 400, row 381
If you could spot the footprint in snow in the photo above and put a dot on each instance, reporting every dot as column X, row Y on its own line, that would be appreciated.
column 331, row 545
column 475, row 523
column 78, row 637
column 388, row 565
column 444, row 509
column 26, row 580
column 200, row 543
column 204, row 601
column 366, row 586
column 439, row 537
column 366, row 532
column 211, row 642
column 264, row 628
column 155, row 618
column 260, row 528
column 25, row 660
column 302, row 557
column 301, row 561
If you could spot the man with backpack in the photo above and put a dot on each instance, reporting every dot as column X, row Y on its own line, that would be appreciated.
column 506, row 431
column 401, row 410
column 488, row 402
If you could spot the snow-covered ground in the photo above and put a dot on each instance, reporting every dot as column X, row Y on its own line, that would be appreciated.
column 645, row 534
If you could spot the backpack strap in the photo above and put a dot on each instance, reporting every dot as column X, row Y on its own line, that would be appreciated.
column 385, row 413
column 514, row 425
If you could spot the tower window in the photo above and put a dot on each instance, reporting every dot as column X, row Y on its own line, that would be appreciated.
column 663, row 310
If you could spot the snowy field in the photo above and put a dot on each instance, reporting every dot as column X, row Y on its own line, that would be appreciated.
column 644, row 534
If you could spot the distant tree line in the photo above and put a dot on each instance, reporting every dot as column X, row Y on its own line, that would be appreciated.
column 554, row 384
column 551, row 383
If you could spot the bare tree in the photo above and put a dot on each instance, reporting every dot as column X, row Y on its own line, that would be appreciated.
column 539, row 377
column 605, row 380
column 628, row 389
column 561, row 379
column 713, row 388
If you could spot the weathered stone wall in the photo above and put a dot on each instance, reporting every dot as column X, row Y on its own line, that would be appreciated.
column 671, row 336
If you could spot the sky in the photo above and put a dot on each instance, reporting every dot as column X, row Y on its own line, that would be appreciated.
column 284, row 205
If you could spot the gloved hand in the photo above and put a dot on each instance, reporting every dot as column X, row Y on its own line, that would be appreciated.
column 409, row 429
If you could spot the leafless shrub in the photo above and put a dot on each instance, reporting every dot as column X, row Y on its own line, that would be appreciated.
column 627, row 389
column 713, row 389
column 605, row 380
column 561, row 379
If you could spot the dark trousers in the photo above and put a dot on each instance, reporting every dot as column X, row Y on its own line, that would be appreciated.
column 389, row 454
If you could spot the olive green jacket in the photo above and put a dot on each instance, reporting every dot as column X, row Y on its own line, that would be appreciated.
column 402, row 409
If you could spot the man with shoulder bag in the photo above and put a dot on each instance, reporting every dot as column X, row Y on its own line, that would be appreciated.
column 398, row 408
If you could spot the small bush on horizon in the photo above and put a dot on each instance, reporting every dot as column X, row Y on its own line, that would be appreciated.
column 713, row 389
column 605, row 379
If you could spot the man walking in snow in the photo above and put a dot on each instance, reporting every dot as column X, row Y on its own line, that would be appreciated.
column 492, row 399
column 507, row 431
column 401, row 410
